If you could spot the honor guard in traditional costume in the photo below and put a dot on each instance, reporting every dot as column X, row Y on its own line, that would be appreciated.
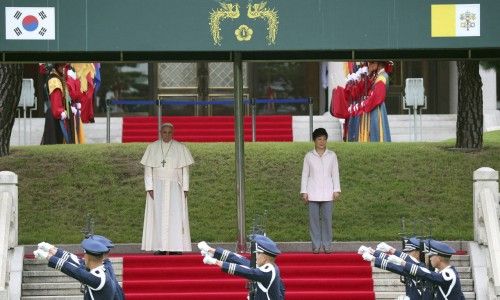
column 267, row 274
column 386, row 257
column 97, row 280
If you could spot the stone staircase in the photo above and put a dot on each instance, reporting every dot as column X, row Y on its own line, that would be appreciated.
column 388, row 286
column 42, row 282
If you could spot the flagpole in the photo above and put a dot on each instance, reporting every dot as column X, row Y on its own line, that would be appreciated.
column 239, row 147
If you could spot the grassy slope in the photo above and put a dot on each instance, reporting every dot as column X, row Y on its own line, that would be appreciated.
column 380, row 183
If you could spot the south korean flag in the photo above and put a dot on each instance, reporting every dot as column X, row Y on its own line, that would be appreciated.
column 30, row 23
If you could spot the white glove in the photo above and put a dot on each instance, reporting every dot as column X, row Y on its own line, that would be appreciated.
column 206, row 253
column 71, row 74
column 395, row 260
column 364, row 70
column 45, row 246
column 78, row 105
column 384, row 247
column 40, row 254
column 363, row 249
column 368, row 257
column 203, row 246
column 73, row 109
column 207, row 260
column 63, row 115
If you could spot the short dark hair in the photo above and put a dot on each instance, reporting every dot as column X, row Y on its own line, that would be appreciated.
column 319, row 132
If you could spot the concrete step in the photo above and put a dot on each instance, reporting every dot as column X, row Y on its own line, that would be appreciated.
column 390, row 285
column 52, row 297
column 464, row 273
column 54, row 276
column 51, row 289
column 395, row 295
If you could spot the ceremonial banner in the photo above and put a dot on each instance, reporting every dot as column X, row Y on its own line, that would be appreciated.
column 452, row 20
column 30, row 23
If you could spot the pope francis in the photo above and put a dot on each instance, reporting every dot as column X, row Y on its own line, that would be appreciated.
column 166, row 177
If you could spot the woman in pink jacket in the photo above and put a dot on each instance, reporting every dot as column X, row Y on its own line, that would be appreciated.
column 320, row 186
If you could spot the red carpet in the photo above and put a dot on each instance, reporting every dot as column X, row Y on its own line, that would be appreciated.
column 208, row 129
column 307, row 276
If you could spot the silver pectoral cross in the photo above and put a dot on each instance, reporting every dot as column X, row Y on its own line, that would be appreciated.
column 163, row 163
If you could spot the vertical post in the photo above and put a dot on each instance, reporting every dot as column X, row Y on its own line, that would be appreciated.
column 158, row 106
column 8, row 223
column 415, row 122
column 310, row 119
column 239, row 145
column 108, row 121
column 254, row 119
column 484, row 178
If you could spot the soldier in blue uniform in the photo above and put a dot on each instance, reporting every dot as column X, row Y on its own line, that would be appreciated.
column 386, row 258
column 445, row 279
column 58, row 252
column 107, row 263
column 99, row 284
column 267, row 274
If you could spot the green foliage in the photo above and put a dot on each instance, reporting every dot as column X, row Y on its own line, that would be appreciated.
column 381, row 183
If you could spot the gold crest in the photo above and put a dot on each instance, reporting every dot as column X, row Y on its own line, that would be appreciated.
column 259, row 10
column 227, row 11
column 244, row 33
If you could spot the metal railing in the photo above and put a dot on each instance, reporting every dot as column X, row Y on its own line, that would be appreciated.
column 252, row 102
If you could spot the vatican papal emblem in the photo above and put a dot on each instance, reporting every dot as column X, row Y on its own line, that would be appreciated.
column 468, row 20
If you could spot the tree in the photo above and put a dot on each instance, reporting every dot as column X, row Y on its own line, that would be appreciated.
column 11, row 79
column 470, row 106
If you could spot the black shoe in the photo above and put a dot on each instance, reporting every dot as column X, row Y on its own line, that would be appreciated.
column 160, row 253
column 174, row 253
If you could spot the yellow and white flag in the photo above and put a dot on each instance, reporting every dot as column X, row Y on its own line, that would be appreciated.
column 451, row 20
column 30, row 23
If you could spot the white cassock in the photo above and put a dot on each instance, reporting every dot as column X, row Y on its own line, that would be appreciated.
column 166, row 221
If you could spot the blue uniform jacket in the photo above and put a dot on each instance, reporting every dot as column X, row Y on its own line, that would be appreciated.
column 72, row 261
column 270, row 285
column 415, row 288
column 447, row 281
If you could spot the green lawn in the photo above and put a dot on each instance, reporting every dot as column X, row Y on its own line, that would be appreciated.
column 381, row 183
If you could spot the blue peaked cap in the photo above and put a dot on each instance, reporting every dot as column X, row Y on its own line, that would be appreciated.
column 94, row 247
column 440, row 248
column 265, row 244
column 103, row 240
column 411, row 244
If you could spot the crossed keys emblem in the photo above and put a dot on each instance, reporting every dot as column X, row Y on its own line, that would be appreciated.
column 244, row 32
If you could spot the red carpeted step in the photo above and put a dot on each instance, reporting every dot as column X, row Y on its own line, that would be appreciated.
column 208, row 129
column 304, row 295
column 305, row 275
column 236, row 284
column 189, row 295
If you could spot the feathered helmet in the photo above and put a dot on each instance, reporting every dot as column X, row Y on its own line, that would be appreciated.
column 388, row 65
